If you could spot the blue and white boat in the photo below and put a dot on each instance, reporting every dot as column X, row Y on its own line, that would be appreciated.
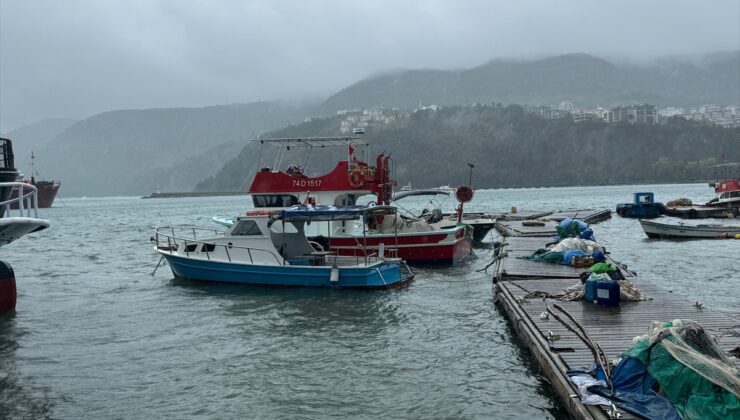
column 272, row 250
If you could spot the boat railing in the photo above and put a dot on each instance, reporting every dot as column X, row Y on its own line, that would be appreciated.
column 170, row 239
column 27, row 199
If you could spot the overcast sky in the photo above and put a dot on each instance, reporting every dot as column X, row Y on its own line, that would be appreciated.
column 76, row 58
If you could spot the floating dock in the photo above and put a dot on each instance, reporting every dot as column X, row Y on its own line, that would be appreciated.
column 525, row 288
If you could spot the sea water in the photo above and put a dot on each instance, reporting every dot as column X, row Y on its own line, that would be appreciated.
column 96, row 335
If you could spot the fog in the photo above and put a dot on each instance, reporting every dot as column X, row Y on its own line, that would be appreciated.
column 76, row 58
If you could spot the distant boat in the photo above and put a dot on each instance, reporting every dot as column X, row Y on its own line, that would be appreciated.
column 726, row 186
column 407, row 187
column 46, row 190
column 447, row 188
column 726, row 204
column 642, row 207
column 659, row 230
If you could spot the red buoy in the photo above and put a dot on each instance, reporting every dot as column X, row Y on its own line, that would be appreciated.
column 7, row 288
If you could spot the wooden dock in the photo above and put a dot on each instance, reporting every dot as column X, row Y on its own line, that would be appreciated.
column 612, row 327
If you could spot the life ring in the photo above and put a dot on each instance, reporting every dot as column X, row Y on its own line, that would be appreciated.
column 355, row 178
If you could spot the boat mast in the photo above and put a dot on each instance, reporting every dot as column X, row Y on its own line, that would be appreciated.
column 33, row 168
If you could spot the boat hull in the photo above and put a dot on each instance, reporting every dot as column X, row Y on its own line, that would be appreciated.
column 427, row 248
column 13, row 228
column 657, row 230
column 640, row 210
column 47, row 192
column 386, row 274
column 702, row 212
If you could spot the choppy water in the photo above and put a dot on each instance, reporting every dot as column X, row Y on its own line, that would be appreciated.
column 96, row 336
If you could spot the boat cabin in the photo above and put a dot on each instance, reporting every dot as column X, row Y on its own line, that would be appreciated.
column 273, row 188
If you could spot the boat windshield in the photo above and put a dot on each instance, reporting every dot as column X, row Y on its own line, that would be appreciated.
column 246, row 228
column 275, row 200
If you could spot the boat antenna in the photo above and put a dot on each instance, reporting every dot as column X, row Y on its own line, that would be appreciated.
column 259, row 162
column 308, row 155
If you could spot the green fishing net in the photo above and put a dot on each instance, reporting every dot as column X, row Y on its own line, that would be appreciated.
column 692, row 371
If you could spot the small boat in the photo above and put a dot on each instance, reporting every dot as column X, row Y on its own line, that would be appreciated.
column 224, row 220
column 726, row 186
column 726, row 203
column 447, row 189
column 481, row 223
column 642, row 207
column 407, row 187
column 273, row 250
column 683, row 231
column 46, row 191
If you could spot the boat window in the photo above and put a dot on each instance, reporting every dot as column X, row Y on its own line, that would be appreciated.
column 278, row 200
column 344, row 200
column 246, row 227
column 277, row 227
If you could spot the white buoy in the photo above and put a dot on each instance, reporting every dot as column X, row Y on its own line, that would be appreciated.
column 334, row 276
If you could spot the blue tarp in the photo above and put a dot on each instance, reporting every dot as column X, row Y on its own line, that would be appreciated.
column 568, row 255
column 571, row 228
column 633, row 391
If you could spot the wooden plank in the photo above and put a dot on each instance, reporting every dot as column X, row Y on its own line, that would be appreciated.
column 526, row 244
column 513, row 268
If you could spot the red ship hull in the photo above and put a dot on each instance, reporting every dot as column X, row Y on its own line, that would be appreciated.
column 47, row 192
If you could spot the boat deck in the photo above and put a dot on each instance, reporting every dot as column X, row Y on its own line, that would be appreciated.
column 701, row 212
column 612, row 327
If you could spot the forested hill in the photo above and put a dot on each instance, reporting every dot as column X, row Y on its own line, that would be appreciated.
column 584, row 80
column 33, row 138
column 136, row 152
column 511, row 148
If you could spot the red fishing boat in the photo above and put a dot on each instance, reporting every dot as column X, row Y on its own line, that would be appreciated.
column 411, row 239
column 726, row 186
column 46, row 190
column 726, row 204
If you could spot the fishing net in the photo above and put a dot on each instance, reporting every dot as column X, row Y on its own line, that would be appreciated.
column 692, row 371
column 679, row 202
